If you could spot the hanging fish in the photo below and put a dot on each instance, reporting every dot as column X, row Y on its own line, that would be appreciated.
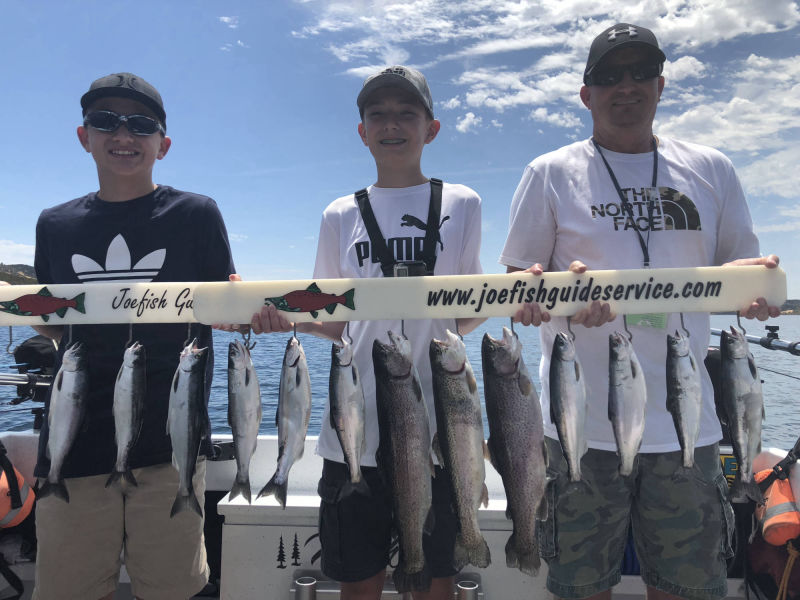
column 244, row 414
column 129, row 394
column 627, row 399
column 684, row 395
column 568, row 402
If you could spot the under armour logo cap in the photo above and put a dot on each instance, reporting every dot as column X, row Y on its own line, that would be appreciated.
column 401, row 77
column 125, row 85
column 621, row 35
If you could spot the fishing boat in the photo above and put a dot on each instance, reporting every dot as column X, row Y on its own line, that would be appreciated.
column 261, row 550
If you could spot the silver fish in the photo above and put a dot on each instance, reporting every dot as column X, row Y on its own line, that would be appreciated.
column 684, row 395
column 568, row 402
column 129, row 394
column 65, row 416
column 244, row 414
column 516, row 444
column 404, row 455
column 347, row 413
column 744, row 408
column 627, row 399
column 459, row 444
column 187, row 422
column 294, row 411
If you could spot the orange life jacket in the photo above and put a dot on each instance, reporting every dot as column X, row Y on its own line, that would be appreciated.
column 16, row 496
column 779, row 516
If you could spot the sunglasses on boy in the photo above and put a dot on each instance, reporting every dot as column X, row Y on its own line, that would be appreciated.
column 612, row 75
column 106, row 120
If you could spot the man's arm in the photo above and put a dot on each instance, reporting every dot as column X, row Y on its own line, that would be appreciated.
column 759, row 309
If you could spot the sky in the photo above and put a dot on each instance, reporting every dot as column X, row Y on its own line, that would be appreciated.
column 260, row 101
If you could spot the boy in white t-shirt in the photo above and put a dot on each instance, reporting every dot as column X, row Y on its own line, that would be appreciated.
column 397, row 122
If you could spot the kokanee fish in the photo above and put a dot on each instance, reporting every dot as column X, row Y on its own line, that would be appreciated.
column 744, row 410
column 42, row 304
column 459, row 444
column 65, row 416
column 347, row 413
column 244, row 414
column 627, row 399
column 312, row 300
column 187, row 422
column 294, row 411
column 129, row 393
column 516, row 444
column 684, row 394
column 568, row 402
column 404, row 455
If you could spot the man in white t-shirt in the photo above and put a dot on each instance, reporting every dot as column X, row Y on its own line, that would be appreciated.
column 627, row 199
column 396, row 123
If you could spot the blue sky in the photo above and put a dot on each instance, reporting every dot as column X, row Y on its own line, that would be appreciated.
column 260, row 101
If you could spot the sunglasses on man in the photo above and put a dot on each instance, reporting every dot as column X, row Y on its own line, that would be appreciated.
column 613, row 74
column 106, row 120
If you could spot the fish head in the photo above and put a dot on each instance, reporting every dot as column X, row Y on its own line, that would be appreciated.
column 502, row 355
column 733, row 344
column 192, row 357
column 238, row 355
column 450, row 354
column 74, row 358
column 563, row 347
column 134, row 355
column 342, row 356
column 394, row 358
column 677, row 345
column 619, row 346
column 293, row 352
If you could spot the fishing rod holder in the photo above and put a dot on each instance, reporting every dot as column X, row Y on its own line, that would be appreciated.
column 305, row 588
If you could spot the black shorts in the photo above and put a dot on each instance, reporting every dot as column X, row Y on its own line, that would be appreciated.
column 356, row 532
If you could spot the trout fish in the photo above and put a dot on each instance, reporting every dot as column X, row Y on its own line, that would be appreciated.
column 244, row 414
column 568, row 402
column 129, row 393
column 627, row 400
column 684, row 395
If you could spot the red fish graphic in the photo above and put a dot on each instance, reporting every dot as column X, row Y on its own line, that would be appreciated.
column 312, row 300
column 42, row 304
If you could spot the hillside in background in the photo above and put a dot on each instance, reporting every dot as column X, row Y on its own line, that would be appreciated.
column 17, row 274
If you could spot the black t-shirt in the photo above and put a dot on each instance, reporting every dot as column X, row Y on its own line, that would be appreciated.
column 168, row 235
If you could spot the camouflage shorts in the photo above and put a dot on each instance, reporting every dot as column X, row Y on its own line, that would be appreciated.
column 682, row 524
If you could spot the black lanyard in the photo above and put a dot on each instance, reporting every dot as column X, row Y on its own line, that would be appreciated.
column 627, row 205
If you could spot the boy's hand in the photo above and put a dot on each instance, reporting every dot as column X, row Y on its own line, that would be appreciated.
column 270, row 320
column 759, row 309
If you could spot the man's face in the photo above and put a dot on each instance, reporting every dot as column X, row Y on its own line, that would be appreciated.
column 628, row 104
column 121, row 153
column 396, row 126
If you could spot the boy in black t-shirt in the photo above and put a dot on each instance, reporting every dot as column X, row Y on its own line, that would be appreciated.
column 129, row 230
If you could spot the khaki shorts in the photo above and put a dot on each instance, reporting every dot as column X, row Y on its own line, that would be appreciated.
column 81, row 543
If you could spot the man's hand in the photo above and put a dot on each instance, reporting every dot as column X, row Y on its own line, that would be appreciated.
column 759, row 309
column 244, row 329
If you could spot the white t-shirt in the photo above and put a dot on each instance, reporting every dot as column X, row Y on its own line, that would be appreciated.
column 344, row 250
column 566, row 208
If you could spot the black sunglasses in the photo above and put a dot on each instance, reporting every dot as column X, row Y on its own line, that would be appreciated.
column 105, row 120
column 612, row 75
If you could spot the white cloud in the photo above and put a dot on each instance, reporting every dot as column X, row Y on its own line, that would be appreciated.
column 237, row 237
column 468, row 122
column 451, row 104
column 13, row 253
column 683, row 68
column 775, row 174
column 232, row 22
column 559, row 119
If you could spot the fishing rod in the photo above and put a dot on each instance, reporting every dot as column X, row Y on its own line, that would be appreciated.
column 771, row 341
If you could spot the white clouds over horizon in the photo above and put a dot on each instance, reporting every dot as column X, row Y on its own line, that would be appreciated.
column 13, row 253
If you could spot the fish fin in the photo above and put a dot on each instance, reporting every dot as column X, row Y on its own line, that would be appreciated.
column 79, row 302
column 45, row 318
column 543, row 508
column 485, row 496
column 348, row 299
column 408, row 582
column 314, row 313
column 61, row 311
column 240, row 488
column 275, row 489
column 355, row 487
column 277, row 414
column 486, row 454
column 186, row 502
column 742, row 491
column 437, row 449
column 57, row 489
column 116, row 476
column 527, row 562
column 477, row 555
column 430, row 522
column 128, row 476
column 525, row 385
column 44, row 292
column 314, row 288
column 331, row 307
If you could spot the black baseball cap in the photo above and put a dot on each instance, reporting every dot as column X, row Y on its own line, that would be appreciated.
column 399, row 76
column 621, row 35
column 125, row 85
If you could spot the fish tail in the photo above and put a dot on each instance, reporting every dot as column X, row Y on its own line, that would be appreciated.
column 355, row 487
column 127, row 475
column 273, row 488
column 57, row 489
column 114, row 477
column 477, row 554
column 240, row 488
column 79, row 302
column 527, row 562
column 408, row 582
column 185, row 502
column 742, row 491
column 348, row 299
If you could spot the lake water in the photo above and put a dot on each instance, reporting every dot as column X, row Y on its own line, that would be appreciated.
column 779, row 371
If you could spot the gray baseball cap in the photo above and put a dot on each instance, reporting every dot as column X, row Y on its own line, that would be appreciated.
column 617, row 36
column 399, row 76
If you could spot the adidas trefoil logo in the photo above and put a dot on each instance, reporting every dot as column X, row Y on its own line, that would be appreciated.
column 118, row 264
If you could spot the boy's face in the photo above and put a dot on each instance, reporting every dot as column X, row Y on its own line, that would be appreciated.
column 120, row 153
column 396, row 127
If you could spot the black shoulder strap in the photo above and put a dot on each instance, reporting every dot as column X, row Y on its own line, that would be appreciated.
column 11, row 478
column 379, row 246
column 432, row 231
column 12, row 579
